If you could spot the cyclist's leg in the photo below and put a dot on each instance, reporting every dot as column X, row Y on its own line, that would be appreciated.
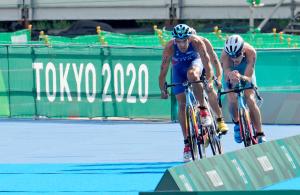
column 233, row 106
column 253, row 108
column 255, row 115
column 212, row 98
column 232, row 103
column 233, row 110
column 187, row 156
column 181, row 113
column 193, row 74
column 178, row 91
column 213, row 102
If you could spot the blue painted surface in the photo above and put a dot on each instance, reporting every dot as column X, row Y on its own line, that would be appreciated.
column 92, row 157
column 121, row 178
column 291, row 184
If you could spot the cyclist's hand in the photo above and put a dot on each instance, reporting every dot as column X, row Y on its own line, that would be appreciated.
column 219, row 84
column 164, row 94
column 210, row 85
column 234, row 77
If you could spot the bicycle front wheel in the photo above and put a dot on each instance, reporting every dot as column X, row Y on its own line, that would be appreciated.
column 245, row 127
column 192, row 130
column 201, row 137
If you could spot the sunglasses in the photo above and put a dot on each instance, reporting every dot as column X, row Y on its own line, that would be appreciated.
column 237, row 55
column 180, row 40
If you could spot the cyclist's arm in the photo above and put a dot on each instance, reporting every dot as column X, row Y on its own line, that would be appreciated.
column 225, row 62
column 201, row 49
column 251, row 59
column 214, row 59
column 166, row 58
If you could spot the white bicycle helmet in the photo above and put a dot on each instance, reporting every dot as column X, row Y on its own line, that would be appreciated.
column 234, row 45
column 181, row 31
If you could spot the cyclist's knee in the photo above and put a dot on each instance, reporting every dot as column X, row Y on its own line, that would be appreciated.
column 248, row 93
column 193, row 75
column 210, row 91
column 250, row 99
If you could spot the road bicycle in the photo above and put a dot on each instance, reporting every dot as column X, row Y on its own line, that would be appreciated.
column 247, row 130
column 198, row 135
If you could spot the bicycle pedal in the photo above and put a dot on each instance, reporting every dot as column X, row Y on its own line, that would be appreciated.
column 219, row 135
column 223, row 133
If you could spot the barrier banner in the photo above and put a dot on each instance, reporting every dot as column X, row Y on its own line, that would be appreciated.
column 83, row 82
column 252, row 168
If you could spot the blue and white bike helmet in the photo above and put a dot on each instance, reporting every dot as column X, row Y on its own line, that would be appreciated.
column 234, row 45
column 181, row 31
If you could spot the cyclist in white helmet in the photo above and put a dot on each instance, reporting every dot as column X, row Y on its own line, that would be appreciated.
column 189, row 58
column 238, row 61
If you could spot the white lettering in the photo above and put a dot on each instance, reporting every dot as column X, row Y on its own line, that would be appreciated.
column 240, row 171
column 131, row 69
column 134, row 86
column 143, row 70
column 288, row 156
column 50, row 67
column 90, row 68
column 78, row 77
column 38, row 66
column 119, row 70
column 63, row 82
column 106, row 69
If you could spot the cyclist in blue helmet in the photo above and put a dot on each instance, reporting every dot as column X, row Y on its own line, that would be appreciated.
column 181, row 31
column 189, row 56
column 238, row 60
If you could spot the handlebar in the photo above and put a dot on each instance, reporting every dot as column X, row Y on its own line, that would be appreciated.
column 185, row 84
column 238, row 89
column 188, row 83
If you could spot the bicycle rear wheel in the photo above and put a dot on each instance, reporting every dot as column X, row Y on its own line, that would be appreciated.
column 214, row 141
column 214, row 137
